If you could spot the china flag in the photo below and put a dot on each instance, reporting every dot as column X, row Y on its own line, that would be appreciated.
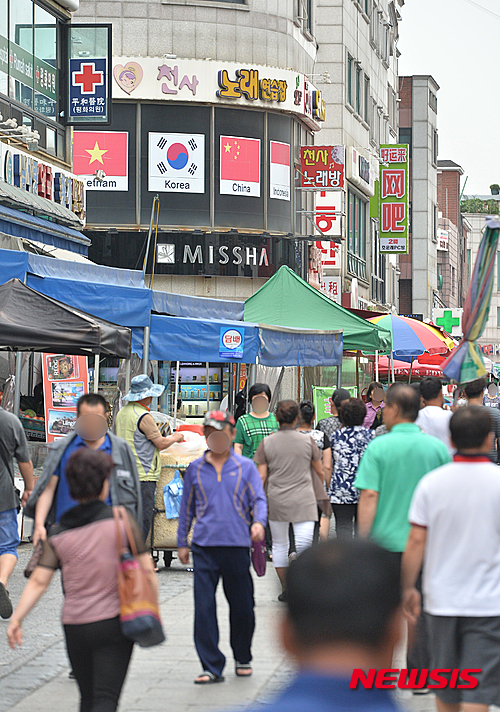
column 239, row 166
column 101, row 151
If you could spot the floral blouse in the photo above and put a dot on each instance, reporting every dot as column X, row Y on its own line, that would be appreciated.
column 348, row 446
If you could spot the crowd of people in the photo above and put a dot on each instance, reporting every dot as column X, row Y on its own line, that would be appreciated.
column 412, row 487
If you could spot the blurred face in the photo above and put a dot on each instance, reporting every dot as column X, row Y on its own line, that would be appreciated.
column 260, row 403
column 492, row 390
column 390, row 415
column 378, row 395
column 91, row 424
column 219, row 441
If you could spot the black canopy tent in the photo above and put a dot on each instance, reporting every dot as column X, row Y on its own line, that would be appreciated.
column 30, row 321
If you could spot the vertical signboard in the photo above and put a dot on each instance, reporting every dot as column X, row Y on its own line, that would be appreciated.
column 322, row 167
column 65, row 379
column 89, row 74
column 393, row 236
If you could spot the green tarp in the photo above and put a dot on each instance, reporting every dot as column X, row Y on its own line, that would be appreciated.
column 287, row 300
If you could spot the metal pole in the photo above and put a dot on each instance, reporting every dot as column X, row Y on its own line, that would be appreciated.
column 208, row 386
column 339, row 376
column 145, row 350
column 176, row 393
column 127, row 375
column 392, row 367
column 154, row 403
column 277, row 388
column 357, row 372
column 96, row 373
column 17, row 382
column 376, row 365
column 411, row 369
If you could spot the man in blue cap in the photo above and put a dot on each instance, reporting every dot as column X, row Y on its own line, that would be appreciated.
column 135, row 424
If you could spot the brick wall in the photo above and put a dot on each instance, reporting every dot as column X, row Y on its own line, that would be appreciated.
column 449, row 195
column 405, row 104
column 405, row 300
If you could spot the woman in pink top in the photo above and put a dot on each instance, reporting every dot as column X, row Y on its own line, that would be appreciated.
column 83, row 545
column 374, row 402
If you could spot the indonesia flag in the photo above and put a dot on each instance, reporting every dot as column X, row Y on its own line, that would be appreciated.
column 240, row 166
column 105, row 151
column 279, row 184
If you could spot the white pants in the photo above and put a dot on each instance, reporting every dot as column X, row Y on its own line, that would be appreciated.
column 303, row 532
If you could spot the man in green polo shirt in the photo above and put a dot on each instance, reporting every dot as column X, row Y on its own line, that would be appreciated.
column 391, row 468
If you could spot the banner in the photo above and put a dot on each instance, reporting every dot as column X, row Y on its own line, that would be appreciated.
column 176, row 163
column 393, row 235
column 240, row 166
column 65, row 379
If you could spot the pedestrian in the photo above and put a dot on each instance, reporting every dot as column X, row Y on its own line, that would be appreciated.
column 456, row 537
column 84, row 546
column 51, row 497
column 388, row 473
column 13, row 444
column 348, row 446
column 286, row 461
column 432, row 418
column 375, row 396
column 474, row 392
column 224, row 493
column 135, row 424
column 306, row 420
column 491, row 397
column 343, row 614
column 254, row 426
column 331, row 424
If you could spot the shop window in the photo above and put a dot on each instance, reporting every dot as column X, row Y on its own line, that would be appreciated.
column 498, row 316
column 21, row 49
column 46, row 62
column 357, row 235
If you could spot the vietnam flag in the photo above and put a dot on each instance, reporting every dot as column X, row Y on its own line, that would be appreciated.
column 105, row 151
column 240, row 166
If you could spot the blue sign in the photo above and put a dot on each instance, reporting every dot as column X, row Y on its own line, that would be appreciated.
column 88, row 88
column 231, row 342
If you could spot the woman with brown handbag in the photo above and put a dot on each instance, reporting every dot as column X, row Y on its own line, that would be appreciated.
column 84, row 546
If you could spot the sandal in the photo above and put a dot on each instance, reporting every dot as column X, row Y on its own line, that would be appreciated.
column 242, row 669
column 211, row 678
column 5, row 603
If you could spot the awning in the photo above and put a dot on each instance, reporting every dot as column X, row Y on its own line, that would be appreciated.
column 299, row 347
column 30, row 227
column 17, row 198
column 42, row 266
column 33, row 322
column 197, row 307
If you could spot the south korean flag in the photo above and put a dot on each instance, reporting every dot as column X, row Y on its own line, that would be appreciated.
column 176, row 163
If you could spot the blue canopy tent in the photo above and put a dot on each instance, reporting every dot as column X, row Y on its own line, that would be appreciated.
column 197, row 307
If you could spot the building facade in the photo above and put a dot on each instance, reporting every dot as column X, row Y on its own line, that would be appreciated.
column 357, row 47
column 418, row 282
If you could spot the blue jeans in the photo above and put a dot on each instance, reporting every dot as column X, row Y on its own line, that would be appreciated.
column 9, row 532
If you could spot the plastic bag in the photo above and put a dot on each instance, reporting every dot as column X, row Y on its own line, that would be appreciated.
column 172, row 495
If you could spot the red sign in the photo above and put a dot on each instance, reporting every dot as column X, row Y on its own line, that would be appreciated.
column 65, row 379
column 240, row 166
column 322, row 167
column 101, row 150
column 88, row 78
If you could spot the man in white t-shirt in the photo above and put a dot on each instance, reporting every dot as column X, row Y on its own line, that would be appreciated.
column 432, row 419
column 455, row 533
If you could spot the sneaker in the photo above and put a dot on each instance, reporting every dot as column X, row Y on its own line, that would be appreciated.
column 5, row 603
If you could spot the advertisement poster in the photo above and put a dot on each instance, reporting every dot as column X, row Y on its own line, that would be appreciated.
column 65, row 379
column 231, row 343
column 394, row 203
column 321, row 400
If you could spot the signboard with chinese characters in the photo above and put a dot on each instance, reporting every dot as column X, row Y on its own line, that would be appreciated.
column 176, row 163
column 393, row 235
column 322, row 168
column 214, row 82
column 87, row 89
column 88, row 72
column 442, row 240
column 332, row 287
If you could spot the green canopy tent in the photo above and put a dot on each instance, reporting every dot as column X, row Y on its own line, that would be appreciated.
column 287, row 300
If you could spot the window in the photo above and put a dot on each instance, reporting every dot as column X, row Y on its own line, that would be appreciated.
column 374, row 25
column 453, row 281
column 498, row 316
column 350, row 65
column 392, row 105
column 435, row 219
column 469, row 271
column 373, row 121
column 433, row 101
column 359, row 99
column 21, row 44
column 405, row 136
column 356, row 241
column 46, row 54
column 366, row 101
column 439, row 278
column 435, row 147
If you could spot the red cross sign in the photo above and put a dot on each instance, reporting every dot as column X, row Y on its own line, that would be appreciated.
column 88, row 78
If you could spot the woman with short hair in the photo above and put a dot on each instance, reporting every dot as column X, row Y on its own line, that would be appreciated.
column 284, row 461
column 84, row 546
column 253, row 427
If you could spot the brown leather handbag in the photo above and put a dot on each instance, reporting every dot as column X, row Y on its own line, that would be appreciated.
column 139, row 610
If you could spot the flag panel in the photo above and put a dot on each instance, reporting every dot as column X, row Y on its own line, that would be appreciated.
column 176, row 163
column 105, row 151
column 240, row 166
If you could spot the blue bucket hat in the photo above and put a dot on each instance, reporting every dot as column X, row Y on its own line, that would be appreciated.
column 143, row 387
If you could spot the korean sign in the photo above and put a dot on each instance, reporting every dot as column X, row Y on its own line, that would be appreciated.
column 89, row 72
column 322, row 167
column 394, row 199
column 231, row 343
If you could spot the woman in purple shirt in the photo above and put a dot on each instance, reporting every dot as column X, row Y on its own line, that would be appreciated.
column 374, row 402
column 84, row 546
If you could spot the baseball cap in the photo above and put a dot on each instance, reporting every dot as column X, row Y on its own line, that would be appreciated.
column 218, row 419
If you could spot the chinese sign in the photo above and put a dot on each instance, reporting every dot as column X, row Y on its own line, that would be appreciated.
column 105, row 151
column 176, row 163
column 322, row 167
column 248, row 84
column 394, row 199
column 65, row 379
column 240, row 166
column 331, row 286
column 231, row 342
column 442, row 240
column 328, row 212
column 88, row 88
column 279, row 170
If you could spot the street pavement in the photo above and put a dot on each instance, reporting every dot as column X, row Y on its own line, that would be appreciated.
column 35, row 677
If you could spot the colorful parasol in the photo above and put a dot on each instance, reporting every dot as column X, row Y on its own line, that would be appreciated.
column 466, row 362
column 411, row 337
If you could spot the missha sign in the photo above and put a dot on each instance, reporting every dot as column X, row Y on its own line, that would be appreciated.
column 207, row 81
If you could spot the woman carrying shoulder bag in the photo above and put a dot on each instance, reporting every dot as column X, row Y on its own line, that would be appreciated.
column 84, row 546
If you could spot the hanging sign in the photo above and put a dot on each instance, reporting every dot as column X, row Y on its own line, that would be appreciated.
column 231, row 343
column 65, row 379
column 393, row 235
column 322, row 167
